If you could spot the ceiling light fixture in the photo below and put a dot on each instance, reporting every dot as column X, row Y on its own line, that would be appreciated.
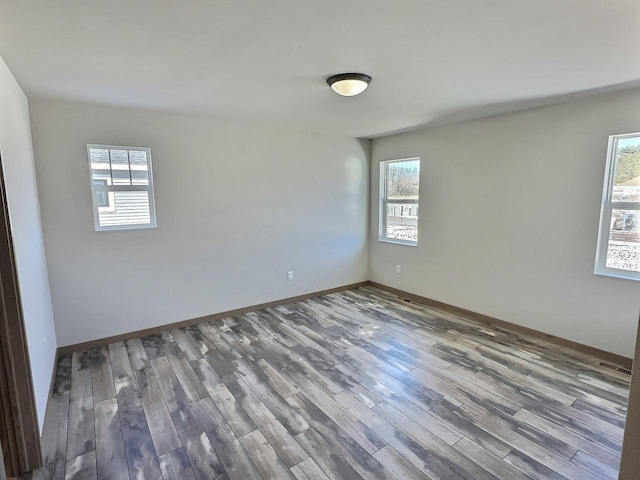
column 349, row 84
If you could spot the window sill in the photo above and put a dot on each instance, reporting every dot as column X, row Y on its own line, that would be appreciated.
column 634, row 277
column 398, row 242
column 119, row 228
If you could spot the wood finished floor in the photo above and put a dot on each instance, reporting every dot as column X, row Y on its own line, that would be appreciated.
column 351, row 385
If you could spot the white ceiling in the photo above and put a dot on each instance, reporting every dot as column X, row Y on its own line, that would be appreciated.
column 432, row 61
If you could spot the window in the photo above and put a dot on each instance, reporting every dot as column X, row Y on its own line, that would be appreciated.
column 618, row 252
column 121, row 187
column 399, row 189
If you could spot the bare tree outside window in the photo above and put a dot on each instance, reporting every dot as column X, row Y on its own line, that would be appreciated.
column 399, row 199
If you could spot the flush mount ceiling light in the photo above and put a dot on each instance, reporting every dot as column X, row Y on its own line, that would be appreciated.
column 349, row 84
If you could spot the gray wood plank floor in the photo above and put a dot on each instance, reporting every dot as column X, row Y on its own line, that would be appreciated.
column 352, row 385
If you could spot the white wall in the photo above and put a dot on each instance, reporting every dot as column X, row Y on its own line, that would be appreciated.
column 237, row 207
column 509, row 210
column 24, row 213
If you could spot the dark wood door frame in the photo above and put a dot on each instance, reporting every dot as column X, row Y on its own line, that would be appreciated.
column 630, row 460
column 20, row 437
column 3, row 473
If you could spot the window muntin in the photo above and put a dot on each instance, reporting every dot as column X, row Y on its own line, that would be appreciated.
column 121, row 187
column 618, row 252
column 399, row 201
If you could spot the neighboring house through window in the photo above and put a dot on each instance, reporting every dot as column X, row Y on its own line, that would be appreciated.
column 618, row 252
column 102, row 196
column 399, row 199
column 121, row 187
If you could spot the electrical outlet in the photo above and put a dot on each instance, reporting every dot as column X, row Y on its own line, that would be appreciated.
column 290, row 275
column 398, row 268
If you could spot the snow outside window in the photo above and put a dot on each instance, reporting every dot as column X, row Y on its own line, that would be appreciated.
column 399, row 199
column 618, row 252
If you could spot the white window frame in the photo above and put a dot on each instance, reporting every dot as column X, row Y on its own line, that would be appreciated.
column 384, row 201
column 606, row 213
column 109, row 189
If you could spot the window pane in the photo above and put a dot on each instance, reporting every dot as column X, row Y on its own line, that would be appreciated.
column 125, row 208
column 99, row 157
column 101, row 177
column 626, row 182
column 403, row 180
column 120, row 167
column 402, row 221
column 139, row 167
column 623, row 251
column 100, row 169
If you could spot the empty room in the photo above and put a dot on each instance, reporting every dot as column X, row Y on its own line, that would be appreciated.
column 319, row 240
